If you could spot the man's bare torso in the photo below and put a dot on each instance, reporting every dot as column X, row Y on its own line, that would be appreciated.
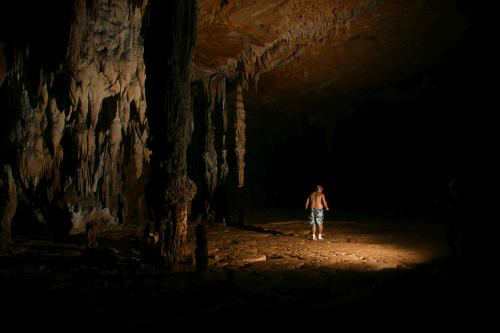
column 316, row 199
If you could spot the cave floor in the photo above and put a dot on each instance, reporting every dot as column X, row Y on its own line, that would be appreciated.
column 361, row 243
column 380, row 269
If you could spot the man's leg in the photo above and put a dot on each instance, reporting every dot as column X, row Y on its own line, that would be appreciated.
column 312, row 221
column 320, row 224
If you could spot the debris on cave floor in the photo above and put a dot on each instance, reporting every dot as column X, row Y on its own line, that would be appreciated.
column 269, row 266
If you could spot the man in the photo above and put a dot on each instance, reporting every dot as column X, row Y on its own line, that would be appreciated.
column 317, row 202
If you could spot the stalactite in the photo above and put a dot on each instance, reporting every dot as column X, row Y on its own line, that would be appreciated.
column 225, row 102
column 106, row 57
column 34, row 158
column 72, row 131
column 307, row 22
column 215, row 151
column 223, row 165
column 57, row 124
column 214, row 90
column 210, row 154
column 240, row 137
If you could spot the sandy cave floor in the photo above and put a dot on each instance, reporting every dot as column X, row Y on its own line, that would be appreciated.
column 350, row 244
column 270, row 269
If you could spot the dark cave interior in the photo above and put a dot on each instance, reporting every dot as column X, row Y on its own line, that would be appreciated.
column 152, row 126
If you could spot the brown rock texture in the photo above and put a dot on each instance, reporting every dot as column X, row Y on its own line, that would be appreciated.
column 77, row 132
column 248, row 38
column 298, row 48
column 170, row 112
column 240, row 137
column 82, row 129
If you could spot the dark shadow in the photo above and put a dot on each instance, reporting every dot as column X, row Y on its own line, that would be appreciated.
column 60, row 292
column 255, row 228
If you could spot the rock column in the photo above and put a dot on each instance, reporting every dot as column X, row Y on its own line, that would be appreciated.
column 173, row 25
column 240, row 138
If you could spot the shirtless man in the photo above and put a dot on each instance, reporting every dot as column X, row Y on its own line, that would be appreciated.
column 317, row 202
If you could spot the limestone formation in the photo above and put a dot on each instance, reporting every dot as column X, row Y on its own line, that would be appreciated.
column 292, row 49
column 285, row 29
column 81, row 134
column 170, row 112
column 223, row 141
column 240, row 138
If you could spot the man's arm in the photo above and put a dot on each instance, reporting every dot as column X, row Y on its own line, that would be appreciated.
column 323, row 202
column 307, row 202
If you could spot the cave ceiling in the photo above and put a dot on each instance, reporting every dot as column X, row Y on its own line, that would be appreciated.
column 299, row 54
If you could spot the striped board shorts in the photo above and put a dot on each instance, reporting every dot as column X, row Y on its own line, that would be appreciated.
column 316, row 216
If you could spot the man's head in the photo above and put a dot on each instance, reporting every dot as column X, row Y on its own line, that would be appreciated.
column 319, row 188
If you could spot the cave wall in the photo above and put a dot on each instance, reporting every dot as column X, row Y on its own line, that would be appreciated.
column 73, row 89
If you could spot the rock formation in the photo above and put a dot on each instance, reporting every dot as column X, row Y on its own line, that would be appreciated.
column 77, row 131
column 77, row 135
column 170, row 111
